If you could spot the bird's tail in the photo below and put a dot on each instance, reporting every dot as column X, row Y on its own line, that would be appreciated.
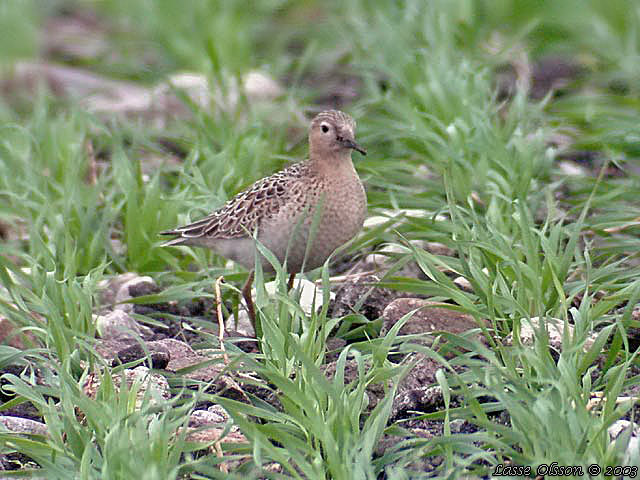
column 174, row 241
column 185, row 235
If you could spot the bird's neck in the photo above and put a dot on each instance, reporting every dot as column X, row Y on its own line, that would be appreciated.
column 331, row 163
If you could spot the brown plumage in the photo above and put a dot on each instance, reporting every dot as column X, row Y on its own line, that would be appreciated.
column 281, row 208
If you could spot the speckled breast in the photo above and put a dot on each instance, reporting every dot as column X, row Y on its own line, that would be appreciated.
column 343, row 206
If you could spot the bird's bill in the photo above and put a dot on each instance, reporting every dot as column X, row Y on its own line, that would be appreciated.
column 347, row 142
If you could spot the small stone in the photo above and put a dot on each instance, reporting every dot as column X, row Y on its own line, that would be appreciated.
column 78, row 36
column 632, row 451
column 156, row 384
column 210, row 435
column 219, row 412
column 463, row 284
column 385, row 215
column 334, row 347
column 430, row 317
column 150, row 381
column 361, row 294
column 376, row 221
column 383, row 256
column 457, row 425
column 241, row 340
column 386, row 257
column 311, row 297
column 183, row 356
column 109, row 287
column 23, row 425
column 572, row 169
column 200, row 418
column 555, row 329
column 135, row 287
column 375, row 391
column 12, row 336
column 242, row 323
column 259, row 86
column 438, row 248
column 620, row 426
column 418, row 390
column 194, row 85
column 159, row 356
column 119, row 325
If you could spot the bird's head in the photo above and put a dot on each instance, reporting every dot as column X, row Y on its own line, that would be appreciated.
column 332, row 133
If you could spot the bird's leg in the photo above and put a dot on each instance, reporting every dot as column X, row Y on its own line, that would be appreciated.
column 220, row 280
column 292, row 277
column 246, row 294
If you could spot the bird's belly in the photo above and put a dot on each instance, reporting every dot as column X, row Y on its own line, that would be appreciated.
column 240, row 250
column 307, row 238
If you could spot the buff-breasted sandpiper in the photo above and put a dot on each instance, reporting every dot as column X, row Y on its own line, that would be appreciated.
column 302, row 213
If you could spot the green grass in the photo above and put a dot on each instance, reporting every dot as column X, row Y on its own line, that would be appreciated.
column 531, row 240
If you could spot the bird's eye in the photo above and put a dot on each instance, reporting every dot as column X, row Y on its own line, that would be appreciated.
column 324, row 128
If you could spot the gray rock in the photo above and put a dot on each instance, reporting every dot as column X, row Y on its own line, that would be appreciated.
column 554, row 327
column 219, row 412
column 200, row 418
column 362, row 295
column 418, row 390
column 183, row 356
column 134, row 287
column 23, row 425
column 109, row 287
column 429, row 317
column 119, row 325
column 146, row 381
column 160, row 355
